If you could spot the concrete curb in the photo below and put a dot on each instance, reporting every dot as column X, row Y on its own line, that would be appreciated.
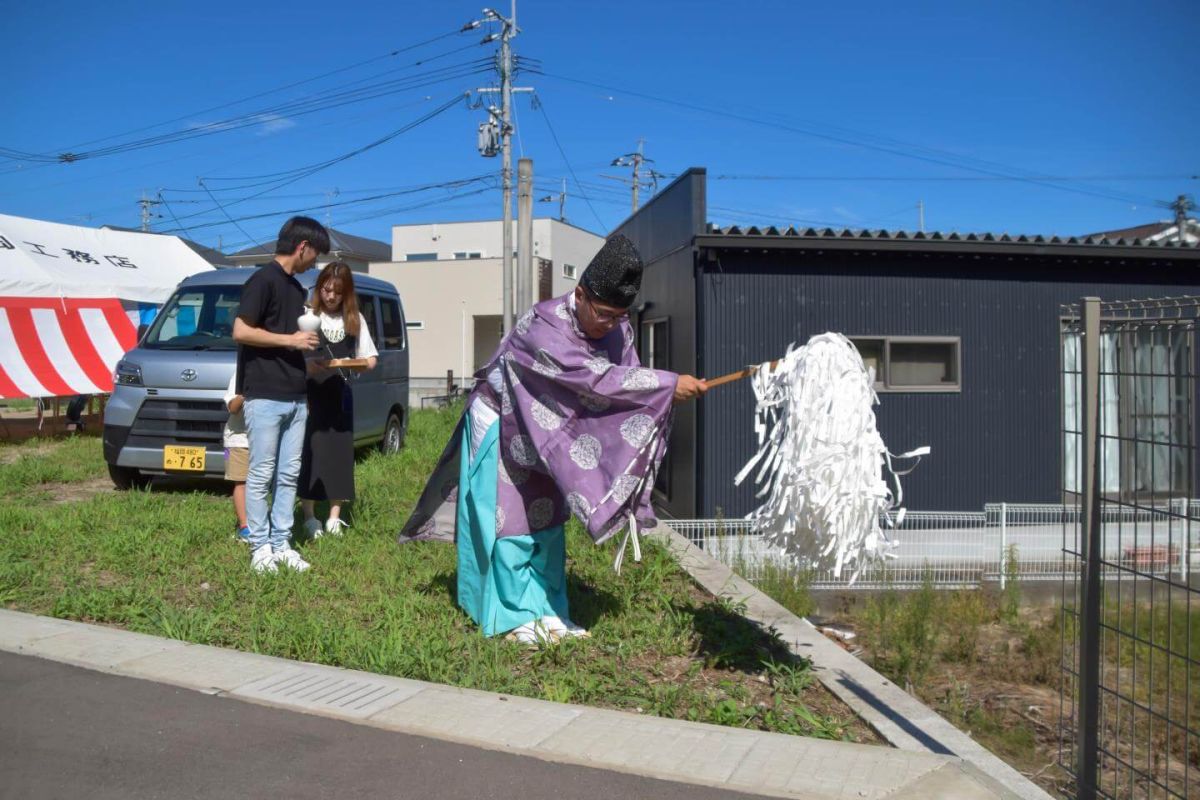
column 728, row 758
column 905, row 722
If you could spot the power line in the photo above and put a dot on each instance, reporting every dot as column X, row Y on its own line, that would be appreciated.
column 396, row 209
column 915, row 151
column 291, row 176
column 542, row 107
column 285, row 87
column 341, row 203
column 300, row 108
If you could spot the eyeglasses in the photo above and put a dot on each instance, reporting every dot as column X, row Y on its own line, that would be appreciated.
column 601, row 316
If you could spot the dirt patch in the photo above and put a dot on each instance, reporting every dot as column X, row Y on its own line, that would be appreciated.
column 13, row 453
column 75, row 492
column 104, row 578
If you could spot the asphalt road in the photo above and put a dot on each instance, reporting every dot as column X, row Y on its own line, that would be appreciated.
column 67, row 732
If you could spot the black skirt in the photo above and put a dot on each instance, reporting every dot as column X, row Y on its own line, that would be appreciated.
column 327, row 467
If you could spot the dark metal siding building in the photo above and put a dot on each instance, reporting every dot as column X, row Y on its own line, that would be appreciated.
column 732, row 297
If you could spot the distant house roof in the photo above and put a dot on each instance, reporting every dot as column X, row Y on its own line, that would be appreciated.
column 214, row 257
column 1095, row 244
column 340, row 244
column 1155, row 231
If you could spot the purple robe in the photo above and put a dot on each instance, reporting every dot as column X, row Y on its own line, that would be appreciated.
column 583, row 428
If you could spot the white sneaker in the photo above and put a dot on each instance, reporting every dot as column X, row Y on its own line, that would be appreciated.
column 335, row 525
column 262, row 559
column 312, row 527
column 291, row 559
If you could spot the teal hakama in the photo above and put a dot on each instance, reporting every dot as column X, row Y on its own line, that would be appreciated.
column 504, row 582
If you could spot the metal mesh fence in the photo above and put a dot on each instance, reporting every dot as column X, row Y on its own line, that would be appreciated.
column 1130, row 699
column 952, row 549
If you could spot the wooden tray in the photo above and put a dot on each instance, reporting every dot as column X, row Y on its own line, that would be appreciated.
column 359, row 364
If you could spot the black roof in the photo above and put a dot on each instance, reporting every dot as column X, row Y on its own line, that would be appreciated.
column 236, row 276
column 846, row 238
column 339, row 242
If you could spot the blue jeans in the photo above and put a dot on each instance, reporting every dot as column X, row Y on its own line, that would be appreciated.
column 275, row 429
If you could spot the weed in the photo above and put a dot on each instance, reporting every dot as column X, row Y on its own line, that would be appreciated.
column 1010, row 603
column 163, row 561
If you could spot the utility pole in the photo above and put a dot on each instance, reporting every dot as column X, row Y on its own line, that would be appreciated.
column 636, row 161
column 146, row 203
column 1182, row 205
column 921, row 216
column 526, row 283
column 561, row 197
column 504, row 61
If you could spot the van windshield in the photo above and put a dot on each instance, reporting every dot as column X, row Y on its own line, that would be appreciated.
column 199, row 318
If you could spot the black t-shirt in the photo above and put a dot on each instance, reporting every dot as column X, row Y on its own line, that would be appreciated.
column 273, row 301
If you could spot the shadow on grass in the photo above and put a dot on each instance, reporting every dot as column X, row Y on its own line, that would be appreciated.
column 444, row 583
column 730, row 641
column 588, row 603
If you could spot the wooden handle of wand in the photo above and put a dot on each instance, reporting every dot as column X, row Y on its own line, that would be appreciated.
column 735, row 376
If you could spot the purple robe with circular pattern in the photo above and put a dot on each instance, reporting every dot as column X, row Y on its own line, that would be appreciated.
column 583, row 428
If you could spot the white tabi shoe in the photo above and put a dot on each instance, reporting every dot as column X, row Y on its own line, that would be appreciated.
column 562, row 628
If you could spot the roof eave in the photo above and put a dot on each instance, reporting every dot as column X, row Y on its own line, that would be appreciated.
column 725, row 241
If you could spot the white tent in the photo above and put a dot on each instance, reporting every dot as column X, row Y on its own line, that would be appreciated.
column 65, row 292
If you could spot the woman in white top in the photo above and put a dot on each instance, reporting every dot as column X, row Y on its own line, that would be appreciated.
column 327, row 468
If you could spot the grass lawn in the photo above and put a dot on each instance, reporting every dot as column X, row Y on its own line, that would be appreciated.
column 164, row 561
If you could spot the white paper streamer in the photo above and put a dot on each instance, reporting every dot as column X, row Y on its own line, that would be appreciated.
column 821, row 459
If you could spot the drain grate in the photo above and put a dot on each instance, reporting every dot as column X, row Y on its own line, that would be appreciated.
column 329, row 692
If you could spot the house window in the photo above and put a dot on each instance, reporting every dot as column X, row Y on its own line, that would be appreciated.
column 1146, row 430
column 421, row 257
column 569, row 271
column 465, row 254
column 393, row 325
column 912, row 363
column 654, row 347
column 415, row 325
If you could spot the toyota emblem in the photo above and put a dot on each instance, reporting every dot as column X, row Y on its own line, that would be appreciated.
column 188, row 374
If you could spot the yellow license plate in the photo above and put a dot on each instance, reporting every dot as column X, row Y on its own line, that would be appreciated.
column 190, row 459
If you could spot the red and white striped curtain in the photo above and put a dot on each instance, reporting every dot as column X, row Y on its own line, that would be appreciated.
column 53, row 347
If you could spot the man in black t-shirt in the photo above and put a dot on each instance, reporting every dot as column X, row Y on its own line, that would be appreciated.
column 271, row 361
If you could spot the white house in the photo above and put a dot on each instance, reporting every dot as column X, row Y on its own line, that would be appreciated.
column 449, row 275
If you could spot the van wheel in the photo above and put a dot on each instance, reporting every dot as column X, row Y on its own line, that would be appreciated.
column 393, row 435
column 125, row 478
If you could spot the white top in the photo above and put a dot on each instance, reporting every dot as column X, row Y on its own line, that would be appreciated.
column 334, row 328
column 235, row 426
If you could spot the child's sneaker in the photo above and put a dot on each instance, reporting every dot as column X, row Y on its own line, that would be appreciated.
column 334, row 526
column 243, row 534
column 313, row 529
column 291, row 559
column 262, row 559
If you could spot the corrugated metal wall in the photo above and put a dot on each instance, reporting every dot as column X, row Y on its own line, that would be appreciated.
column 996, row 440
column 663, row 232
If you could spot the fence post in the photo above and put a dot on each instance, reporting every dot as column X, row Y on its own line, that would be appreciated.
column 449, row 385
column 1184, row 554
column 1003, row 543
column 1087, row 718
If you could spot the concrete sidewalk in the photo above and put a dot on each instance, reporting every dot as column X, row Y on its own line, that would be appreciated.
column 723, row 758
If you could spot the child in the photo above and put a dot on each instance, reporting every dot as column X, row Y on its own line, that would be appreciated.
column 237, row 455
column 327, row 469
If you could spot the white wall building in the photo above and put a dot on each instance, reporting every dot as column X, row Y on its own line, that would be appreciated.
column 449, row 278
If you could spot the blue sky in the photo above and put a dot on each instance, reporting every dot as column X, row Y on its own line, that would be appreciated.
column 853, row 112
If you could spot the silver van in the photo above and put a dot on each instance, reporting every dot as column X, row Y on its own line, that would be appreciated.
column 167, row 400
